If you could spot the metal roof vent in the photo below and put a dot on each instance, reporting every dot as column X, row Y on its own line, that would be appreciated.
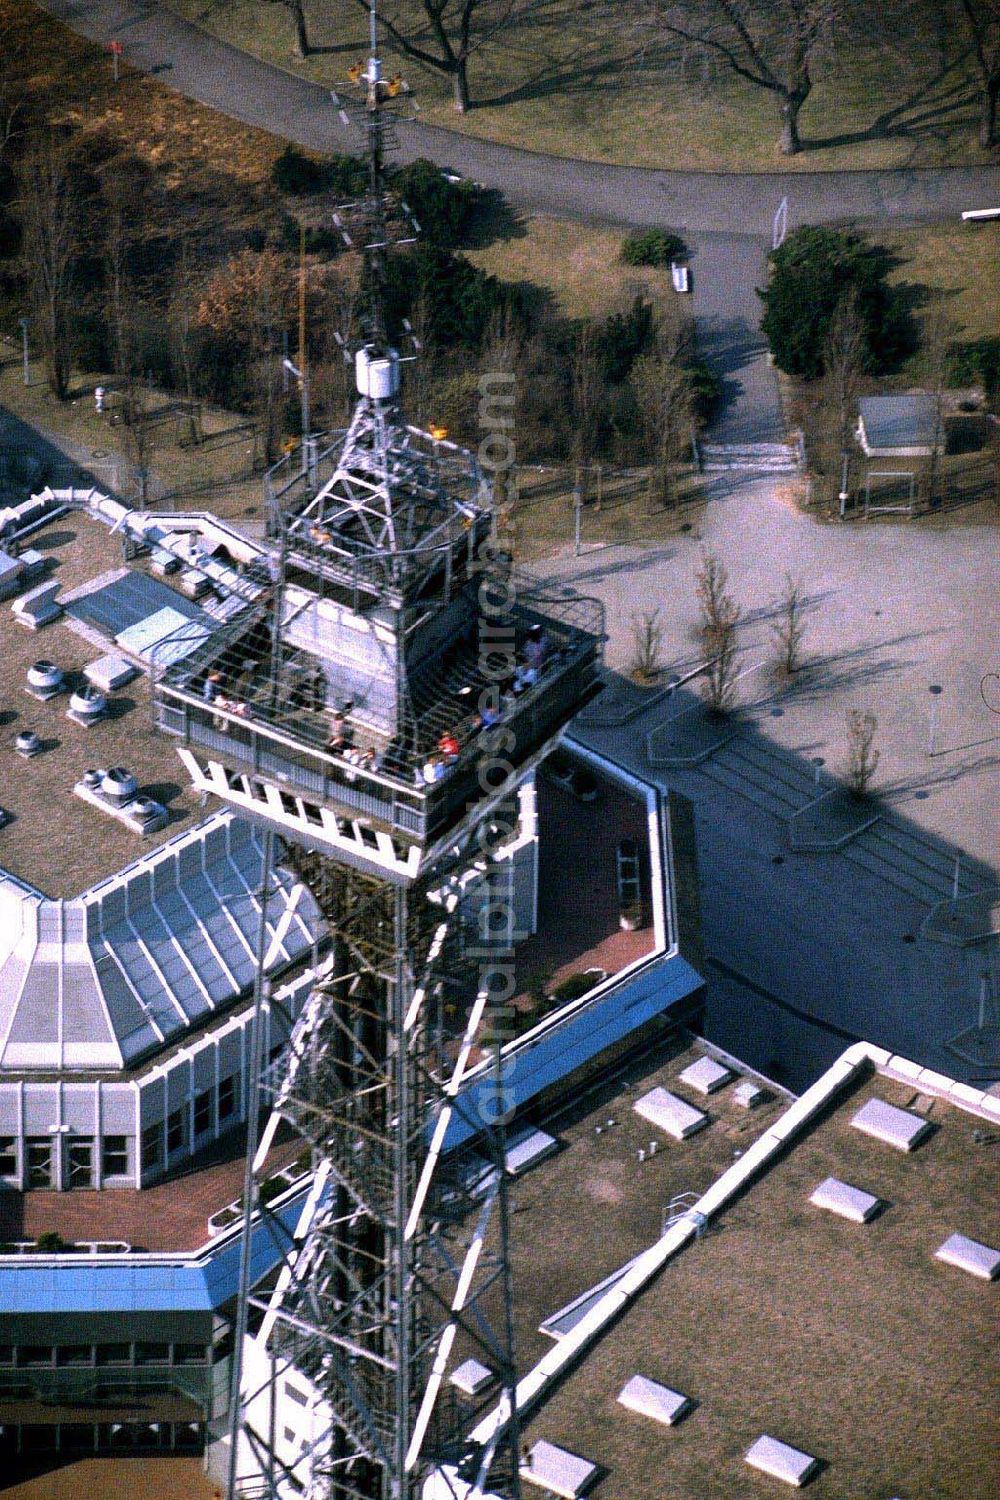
column 87, row 703
column 119, row 785
column 27, row 743
column 45, row 679
column 93, row 778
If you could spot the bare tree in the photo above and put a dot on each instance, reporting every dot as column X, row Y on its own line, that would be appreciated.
column 249, row 301
column 862, row 757
column 719, row 682
column 588, row 393
column 939, row 356
column 846, row 357
column 51, row 218
column 719, row 617
column 664, row 393
column 647, row 644
column 982, row 22
column 789, row 627
column 718, row 608
column 769, row 43
column 457, row 29
column 11, row 94
column 123, row 321
column 181, row 315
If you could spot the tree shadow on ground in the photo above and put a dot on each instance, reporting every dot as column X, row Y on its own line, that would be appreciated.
column 493, row 219
column 939, row 108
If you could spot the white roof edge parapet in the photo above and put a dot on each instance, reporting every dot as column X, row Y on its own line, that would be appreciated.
column 858, row 1057
column 119, row 516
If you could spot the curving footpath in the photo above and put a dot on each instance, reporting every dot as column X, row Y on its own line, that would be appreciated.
column 207, row 69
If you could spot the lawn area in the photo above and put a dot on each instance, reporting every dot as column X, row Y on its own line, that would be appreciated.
column 578, row 265
column 572, row 80
column 220, row 473
column 543, row 515
column 960, row 260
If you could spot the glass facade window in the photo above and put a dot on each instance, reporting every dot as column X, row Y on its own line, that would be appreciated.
column 190, row 1354
column 114, row 1354
column 114, row 1156
column 75, row 1354
column 8, row 1156
column 80, row 1162
column 228, row 1098
column 176, row 1132
column 203, row 1112
column 152, row 1354
column 39, row 1156
column 152, row 1146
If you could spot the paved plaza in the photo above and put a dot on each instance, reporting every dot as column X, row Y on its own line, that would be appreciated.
column 894, row 609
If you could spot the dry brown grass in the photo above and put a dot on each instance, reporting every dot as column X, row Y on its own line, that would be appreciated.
column 578, row 264
column 584, row 1212
column 49, row 62
column 848, row 1341
column 542, row 519
column 54, row 841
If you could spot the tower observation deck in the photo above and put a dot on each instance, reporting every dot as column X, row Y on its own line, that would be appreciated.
column 380, row 708
column 397, row 678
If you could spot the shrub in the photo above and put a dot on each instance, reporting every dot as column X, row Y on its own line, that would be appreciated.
column 573, row 987
column 441, row 208
column 977, row 363
column 271, row 1188
column 706, row 387
column 622, row 338
column 297, row 173
column 653, row 247
column 810, row 274
column 459, row 300
column 50, row 1243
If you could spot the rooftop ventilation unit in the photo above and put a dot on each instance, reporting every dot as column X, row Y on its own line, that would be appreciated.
column 119, row 785
column 116, row 791
column 45, row 680
column 27, row 743
column 86, row 705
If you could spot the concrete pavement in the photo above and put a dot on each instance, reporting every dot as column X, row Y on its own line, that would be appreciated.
column 725, row 271
column 208, row 69
column 833, row 937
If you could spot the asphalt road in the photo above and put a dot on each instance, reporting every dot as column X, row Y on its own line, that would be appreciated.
column 217, row 74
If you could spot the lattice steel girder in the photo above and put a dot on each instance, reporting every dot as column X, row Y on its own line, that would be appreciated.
column 387, row 1282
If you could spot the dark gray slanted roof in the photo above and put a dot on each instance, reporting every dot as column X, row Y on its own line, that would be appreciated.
column 898, row 422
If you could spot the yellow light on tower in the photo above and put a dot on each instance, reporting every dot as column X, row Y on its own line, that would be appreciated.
column 356, row 73
column 394, row 85
column 439, row 433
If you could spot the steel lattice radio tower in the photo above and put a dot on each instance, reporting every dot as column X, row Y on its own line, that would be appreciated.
column 381, row 709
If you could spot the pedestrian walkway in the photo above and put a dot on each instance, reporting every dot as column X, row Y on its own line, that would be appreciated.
column 217, row 74
column 726, row 271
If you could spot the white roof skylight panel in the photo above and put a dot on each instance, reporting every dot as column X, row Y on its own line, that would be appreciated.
column 190, row 934
column 171, row 962
column 145, row 981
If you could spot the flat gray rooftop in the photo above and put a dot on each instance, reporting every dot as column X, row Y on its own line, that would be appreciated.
column 55, row 842
column 852, row 1344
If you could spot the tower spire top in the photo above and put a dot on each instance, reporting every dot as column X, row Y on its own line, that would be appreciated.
column 371, row 112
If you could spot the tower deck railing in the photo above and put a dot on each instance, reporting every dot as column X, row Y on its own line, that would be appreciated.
column 262, row 734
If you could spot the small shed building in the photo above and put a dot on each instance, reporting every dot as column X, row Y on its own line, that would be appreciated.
column 899, row 426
